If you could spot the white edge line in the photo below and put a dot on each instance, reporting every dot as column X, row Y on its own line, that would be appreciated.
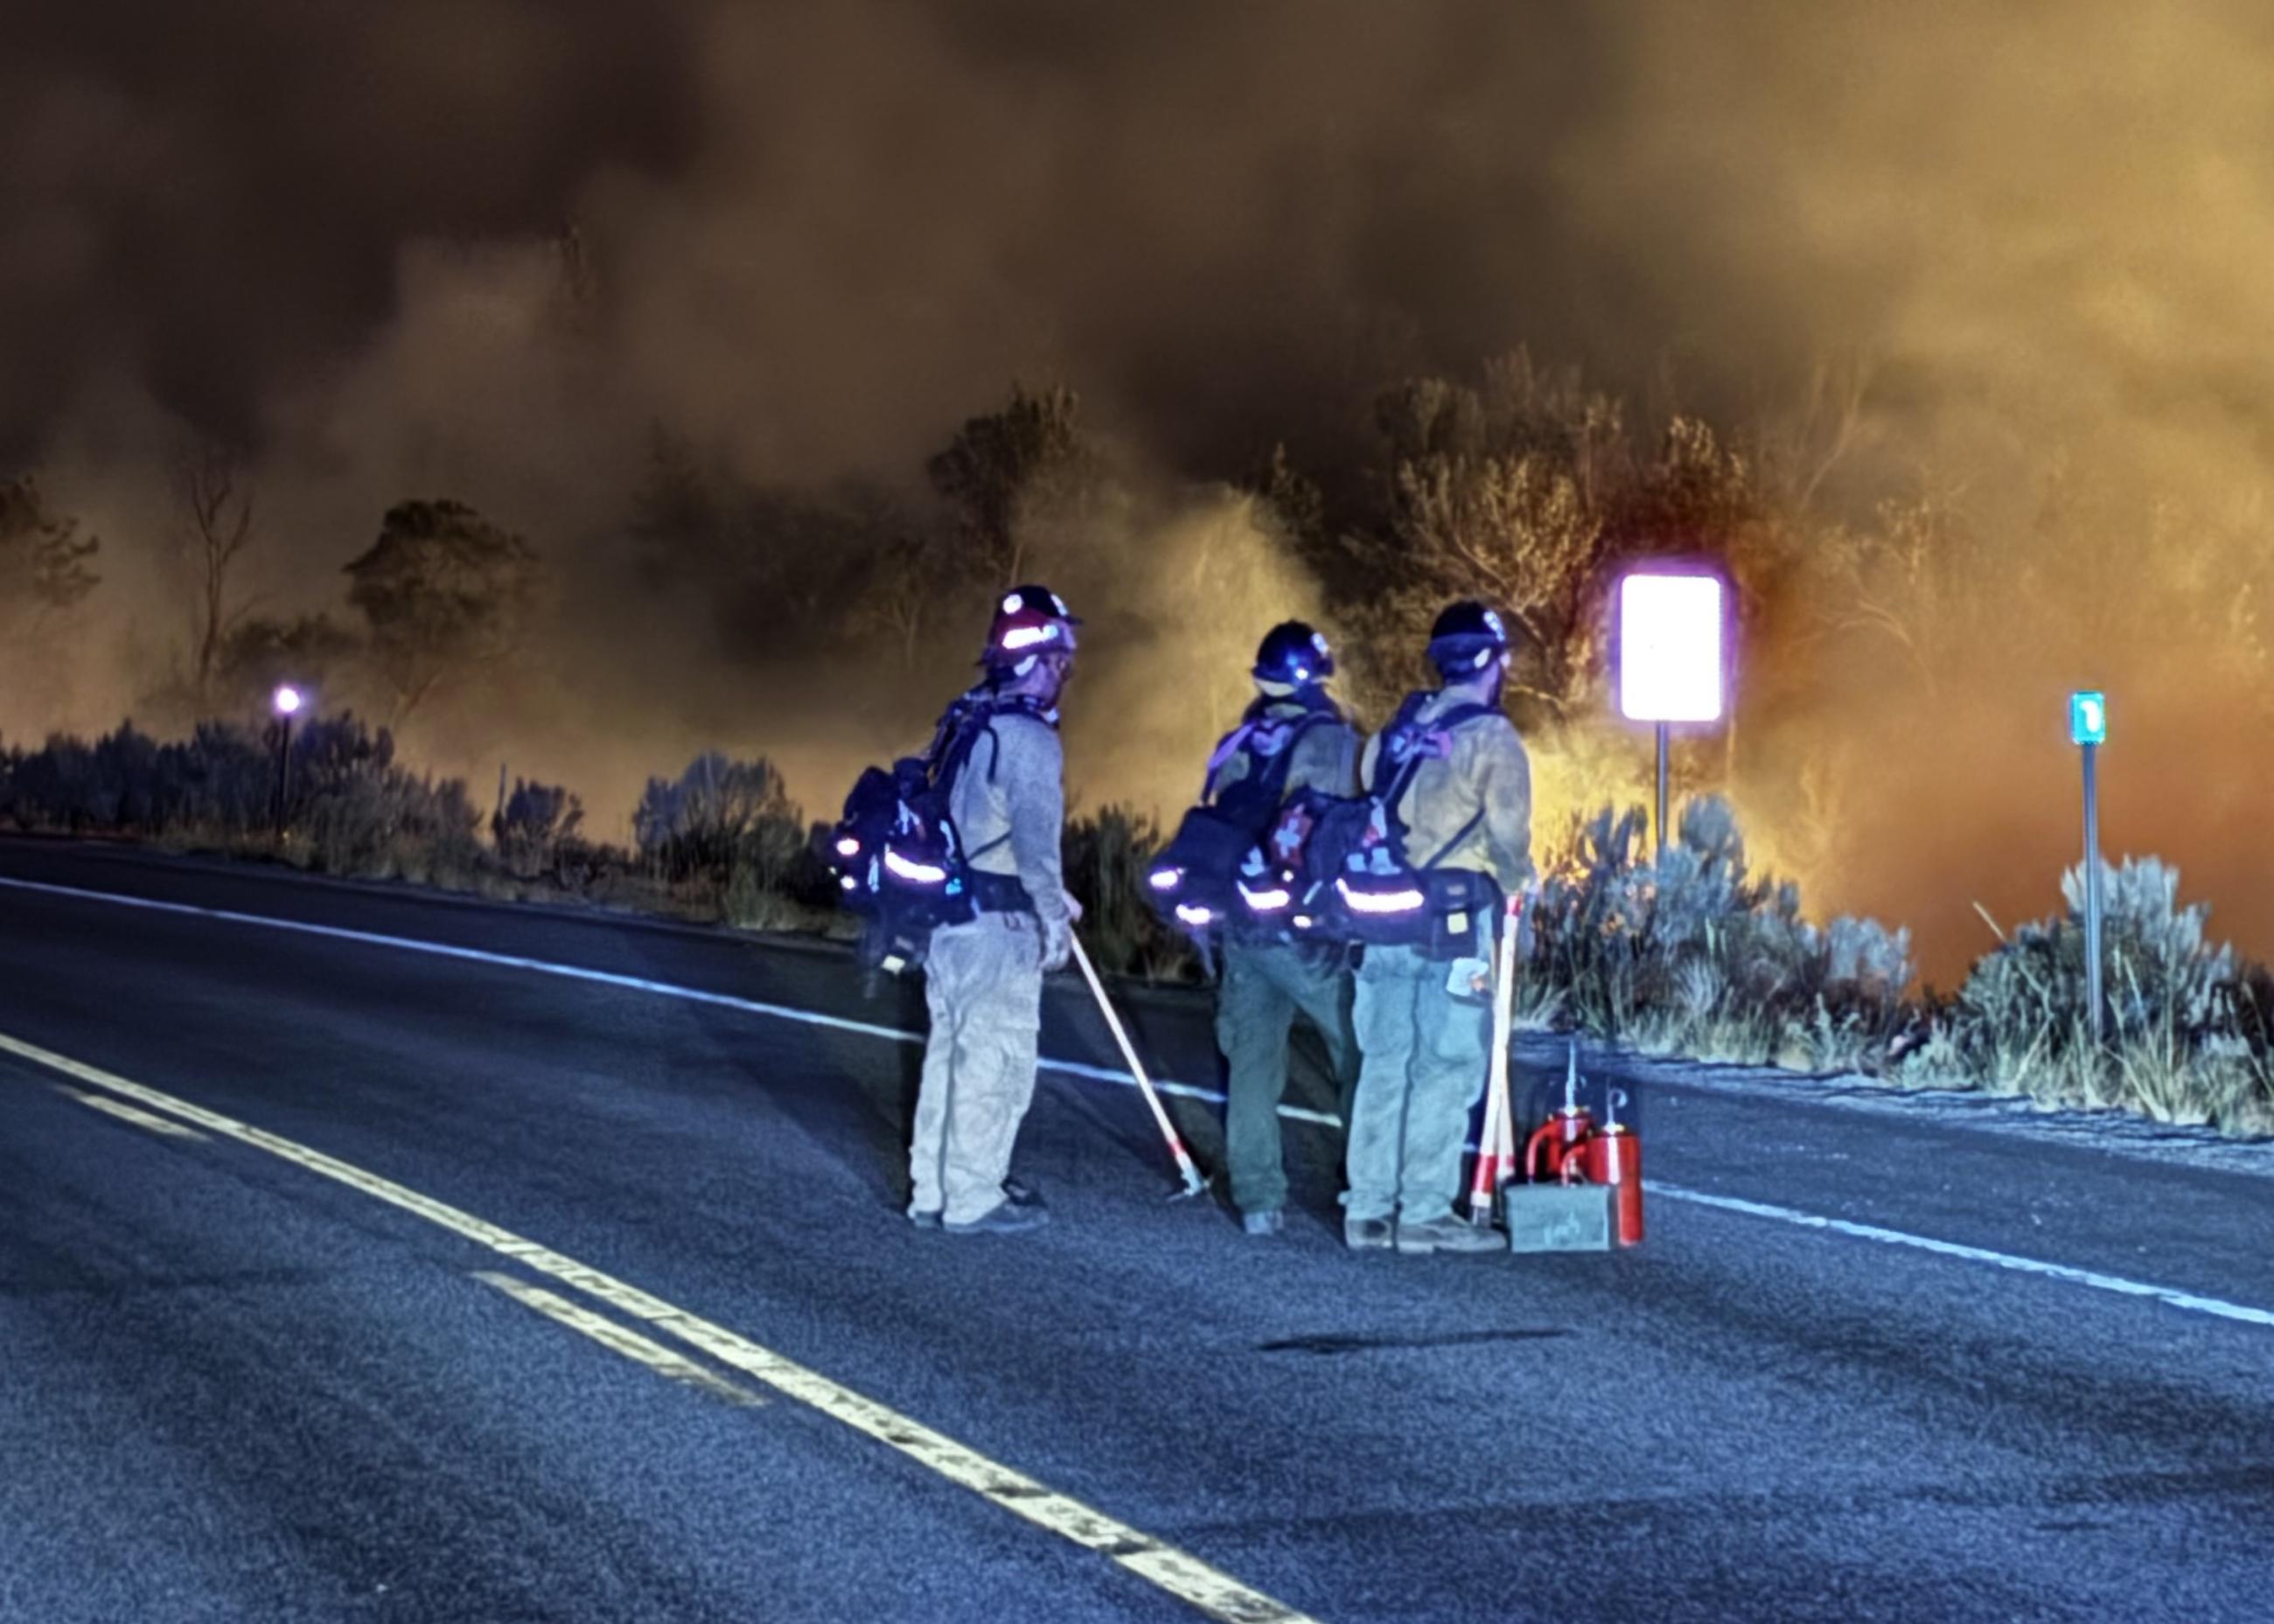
column 2097, row 1281
column 2171, row 1295
column 610, row 978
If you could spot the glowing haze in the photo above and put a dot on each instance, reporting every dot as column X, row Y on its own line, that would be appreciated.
column 484, row 249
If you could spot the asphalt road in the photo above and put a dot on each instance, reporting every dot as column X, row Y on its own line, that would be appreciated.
column 320, row 1335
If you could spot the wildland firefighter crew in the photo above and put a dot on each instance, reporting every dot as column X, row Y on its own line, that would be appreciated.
column 1461, row 783
column 1007, row 800
column 1293, row 737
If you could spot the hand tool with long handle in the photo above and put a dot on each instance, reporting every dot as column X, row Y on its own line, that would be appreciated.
column 1186, row 1168
column 1495, row 1145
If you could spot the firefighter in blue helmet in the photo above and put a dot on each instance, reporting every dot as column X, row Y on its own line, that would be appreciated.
column 1269, row 981
column 1423, row 1023
column 984, row 976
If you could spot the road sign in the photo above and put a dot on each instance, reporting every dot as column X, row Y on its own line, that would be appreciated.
column 1670, row 647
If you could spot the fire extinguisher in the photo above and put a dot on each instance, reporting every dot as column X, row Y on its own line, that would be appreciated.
column 1563, row 1135
column 1612, row 1156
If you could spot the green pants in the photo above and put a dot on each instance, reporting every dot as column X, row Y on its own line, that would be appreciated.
column 1265, row 987
column 1424, row 1068
column 983, row 981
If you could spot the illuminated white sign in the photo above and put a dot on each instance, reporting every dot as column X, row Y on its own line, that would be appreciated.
column 1670, row 648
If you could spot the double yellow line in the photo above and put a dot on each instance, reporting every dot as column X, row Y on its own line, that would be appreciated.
column 1178, row 1573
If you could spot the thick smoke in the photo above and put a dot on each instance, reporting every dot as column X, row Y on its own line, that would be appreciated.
column 488, row 248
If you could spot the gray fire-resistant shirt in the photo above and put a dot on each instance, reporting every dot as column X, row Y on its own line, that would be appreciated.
column 1013, row 784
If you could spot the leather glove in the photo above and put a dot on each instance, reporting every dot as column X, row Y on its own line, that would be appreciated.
column 1057, row 945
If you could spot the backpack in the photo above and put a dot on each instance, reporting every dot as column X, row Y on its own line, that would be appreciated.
column 1207, row 875
column 1342, row 859
column 899, row 860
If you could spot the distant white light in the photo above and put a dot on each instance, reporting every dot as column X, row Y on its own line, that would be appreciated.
column 1194, row 915
column 1268, row 901
column 847, row 846
column 1670, row 648
column 1011, row 604
column 1166, row 879
column 287, row 700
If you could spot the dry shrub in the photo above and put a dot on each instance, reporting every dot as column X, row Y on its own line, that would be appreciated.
column 2189, row 1022
column 1688, row 952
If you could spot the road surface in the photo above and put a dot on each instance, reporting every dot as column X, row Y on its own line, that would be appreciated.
column 367, row 1255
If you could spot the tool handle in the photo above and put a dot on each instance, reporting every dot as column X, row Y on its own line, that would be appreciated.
column 1495, row 1145
column 1489, row 1142
column 1185, row 1166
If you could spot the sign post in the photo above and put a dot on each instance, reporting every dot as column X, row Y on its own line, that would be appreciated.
column 1670, row 660
column 286, row 702
column 2088, row 726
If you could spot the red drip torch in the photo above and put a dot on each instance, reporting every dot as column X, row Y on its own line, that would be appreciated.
column 1612, row 1156
column 1563, row 1134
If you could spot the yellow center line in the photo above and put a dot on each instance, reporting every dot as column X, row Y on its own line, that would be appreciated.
column 617, row 1338
column 124, row 1112
column 1176, row 1572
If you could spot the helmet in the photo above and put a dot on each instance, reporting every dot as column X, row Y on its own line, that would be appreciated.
column 1294, row 653
column 1030, row 621
column 1467, row 637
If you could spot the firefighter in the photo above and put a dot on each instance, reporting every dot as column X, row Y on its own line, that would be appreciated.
column 1269, row 981
column 984, row 976
column 1423, row 1022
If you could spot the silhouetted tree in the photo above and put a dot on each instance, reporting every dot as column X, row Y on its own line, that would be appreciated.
column 442, row 590
column 216, row 527
column 1004, row 467
column 45, row 564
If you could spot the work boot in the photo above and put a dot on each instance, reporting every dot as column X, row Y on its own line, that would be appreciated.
column 1269, row 1221
column 925, row 1221
column 1020, row 1194
column 1003, row 1218
column 1449, row 1234
column 1367, row 1234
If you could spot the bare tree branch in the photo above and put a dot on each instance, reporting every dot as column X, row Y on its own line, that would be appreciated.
column 217, row 505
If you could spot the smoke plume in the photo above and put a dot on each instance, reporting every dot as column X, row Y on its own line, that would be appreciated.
column 491, row 249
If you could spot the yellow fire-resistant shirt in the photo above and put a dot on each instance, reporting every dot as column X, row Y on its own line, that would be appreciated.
column 1484, row 768
column 1326, row 755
